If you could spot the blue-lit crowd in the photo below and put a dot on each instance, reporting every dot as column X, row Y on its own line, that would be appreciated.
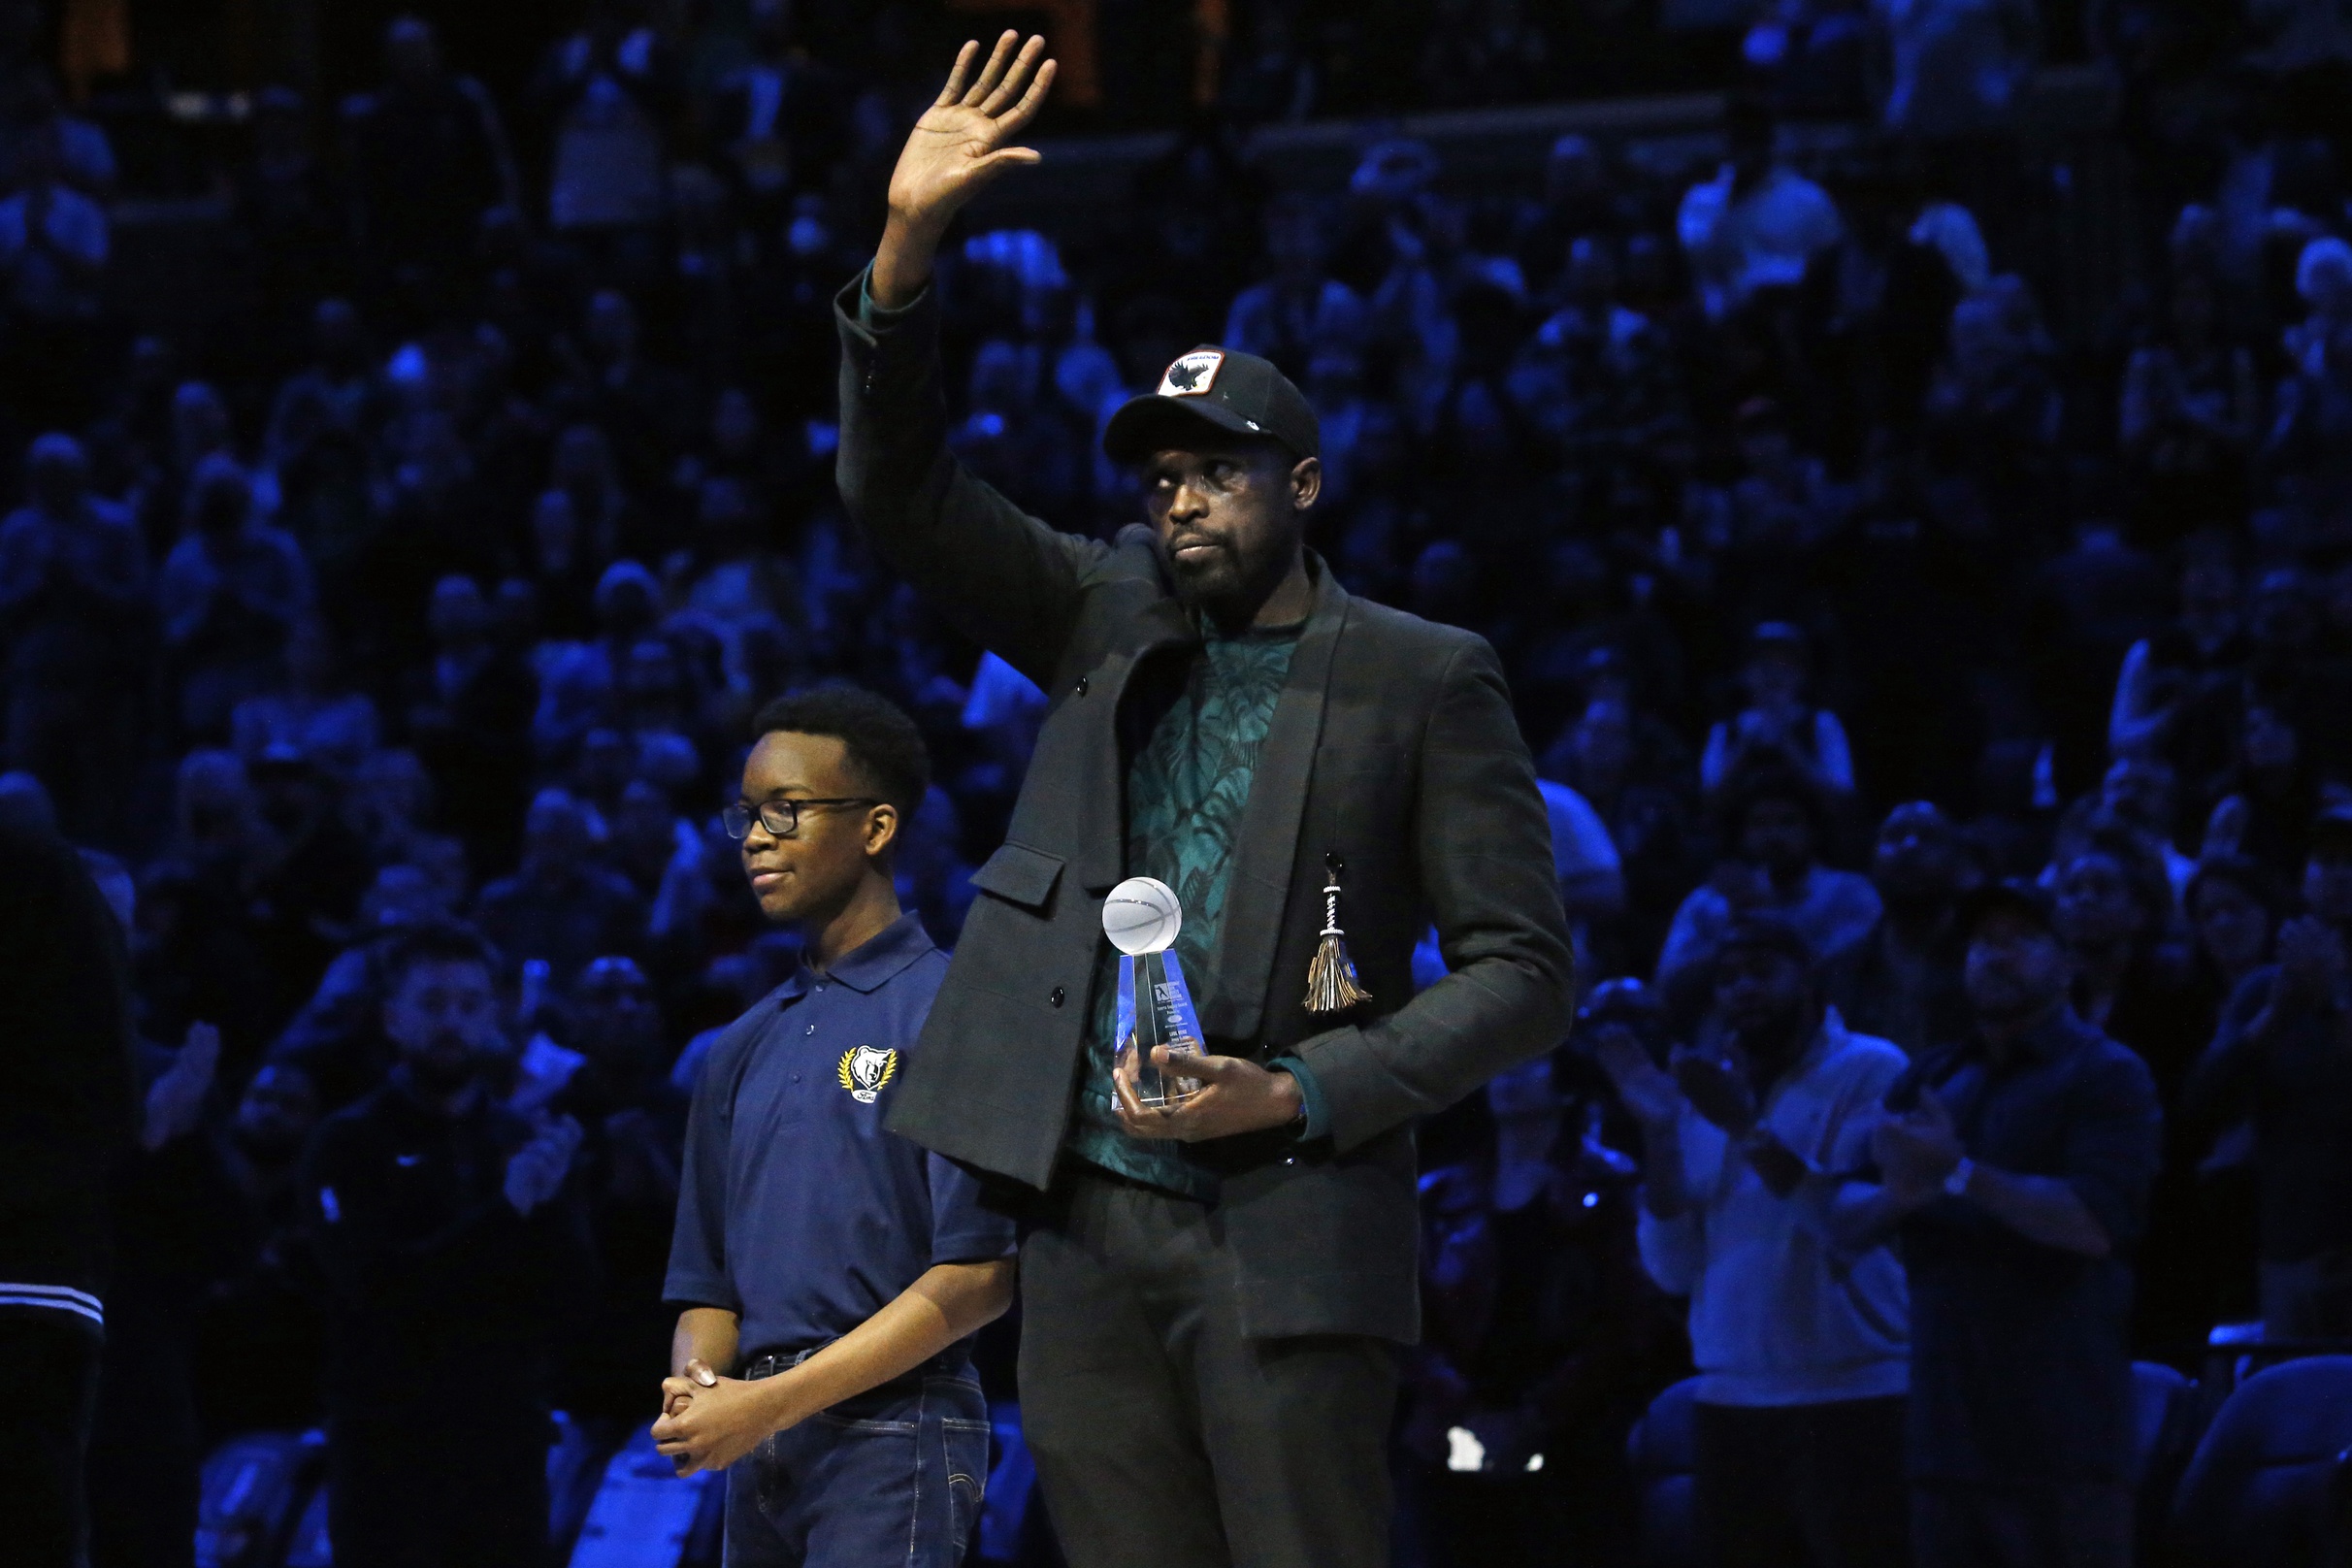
column 1854, row 597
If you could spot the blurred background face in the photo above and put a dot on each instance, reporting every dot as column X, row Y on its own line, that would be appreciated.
column 442, row 1021
column 2096, row 906
column 2233, row 927
column 1759, row 991
column 2272, row 744
column 277, row 1111
column 2139, row 792
column 1915, row 860
column 2328, row 881
column 555, row 832
column 618, row 1022
column 2015, row 969
column 1778, row 836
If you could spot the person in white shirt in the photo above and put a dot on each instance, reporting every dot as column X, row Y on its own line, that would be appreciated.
column 1802, row 1347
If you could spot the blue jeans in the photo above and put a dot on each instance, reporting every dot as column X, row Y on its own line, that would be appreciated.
column 891, row 1477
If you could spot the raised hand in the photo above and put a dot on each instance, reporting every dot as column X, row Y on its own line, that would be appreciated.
column 1648, row 1091
column 963, row 141
column 175, row 1101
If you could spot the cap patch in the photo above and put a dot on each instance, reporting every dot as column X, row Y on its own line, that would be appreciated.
column 1192, row 376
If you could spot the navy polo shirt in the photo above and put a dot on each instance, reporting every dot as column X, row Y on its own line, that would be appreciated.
column 797, row 1210
column 2021, row 1362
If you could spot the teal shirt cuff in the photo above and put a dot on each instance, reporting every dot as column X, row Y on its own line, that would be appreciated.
column 872, row 315
column 1310, row 1094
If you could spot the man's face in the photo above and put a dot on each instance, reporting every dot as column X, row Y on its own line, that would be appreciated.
column 2015, row 967
column 1230, row 514
column 442, row 1021
column 817, row 868
column 1759, row 990
column 2140, row 793
column 2096, row 907
column 1914, row 862
column 619, row 1022
column 2328, row 881
column 276, row 1110
column 1778, row 836
column 2232, row 925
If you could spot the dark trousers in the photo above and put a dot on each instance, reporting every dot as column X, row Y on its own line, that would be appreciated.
column 452, row 1490
column 2054, row 1524
column 894, row 1476
column 1162, row 1434
column 49, row 1390
column 1802, row 1485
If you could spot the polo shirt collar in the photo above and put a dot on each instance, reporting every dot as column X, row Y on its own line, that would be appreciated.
column 870, row 965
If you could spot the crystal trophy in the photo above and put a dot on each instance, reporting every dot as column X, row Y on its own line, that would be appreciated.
column 1141, row 917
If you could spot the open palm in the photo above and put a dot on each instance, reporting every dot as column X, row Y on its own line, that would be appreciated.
column 964, row 140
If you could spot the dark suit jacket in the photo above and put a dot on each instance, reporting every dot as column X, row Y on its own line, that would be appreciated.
column 1393, row 743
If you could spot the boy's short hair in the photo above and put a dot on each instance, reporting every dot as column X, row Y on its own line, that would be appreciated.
column 885, row 748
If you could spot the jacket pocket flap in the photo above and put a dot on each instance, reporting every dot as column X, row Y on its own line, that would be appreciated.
column 1020, row 874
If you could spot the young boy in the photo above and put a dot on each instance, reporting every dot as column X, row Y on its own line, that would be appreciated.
column 836, row 1270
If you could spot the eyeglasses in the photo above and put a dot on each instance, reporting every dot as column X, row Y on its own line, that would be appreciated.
column 781, row 818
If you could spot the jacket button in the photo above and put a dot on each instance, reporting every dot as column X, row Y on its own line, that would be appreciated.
column 1057, row 996
column 1082, row 682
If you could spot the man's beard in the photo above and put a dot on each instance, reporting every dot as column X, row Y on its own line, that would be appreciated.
column 1221, row 587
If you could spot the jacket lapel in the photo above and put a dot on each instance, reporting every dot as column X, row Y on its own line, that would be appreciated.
column 1258, row 891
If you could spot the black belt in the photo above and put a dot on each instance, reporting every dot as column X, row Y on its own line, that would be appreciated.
column 953, row 1361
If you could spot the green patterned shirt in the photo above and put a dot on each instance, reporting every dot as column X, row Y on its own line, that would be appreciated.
column 1186, row 788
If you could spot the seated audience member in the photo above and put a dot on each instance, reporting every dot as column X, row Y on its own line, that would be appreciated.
column 1776, row 727
column 1902, row 982
column 1801, row 1344
column 2280, row 1057
column 561, row 906
column 1544, row 1337
column 451, row 1238
column 1777, row 826
column 2015, row 1168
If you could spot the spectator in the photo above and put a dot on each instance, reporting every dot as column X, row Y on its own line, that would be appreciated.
column 1903, row 982
column 1544, row 1334
column 74, row 611
column 2015, row 1166
column 230, row 593
column 2277, row 1058
column 316, row 714
column 609, row 92
column 451, row 1238
column 560, row 906
column 1777, row 728
column 469, row 719
column 1758, row 223
column 53, row 247
column 427, row 155
column 1800, row 1346
column 1777, row 826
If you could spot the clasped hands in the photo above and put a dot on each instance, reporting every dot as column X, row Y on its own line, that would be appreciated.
column 708, row 1422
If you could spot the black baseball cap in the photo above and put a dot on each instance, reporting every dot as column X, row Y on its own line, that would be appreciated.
column 2014, row 894
column 1222, row 387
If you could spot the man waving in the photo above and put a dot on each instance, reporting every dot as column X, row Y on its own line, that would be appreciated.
column 1210, row 1291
